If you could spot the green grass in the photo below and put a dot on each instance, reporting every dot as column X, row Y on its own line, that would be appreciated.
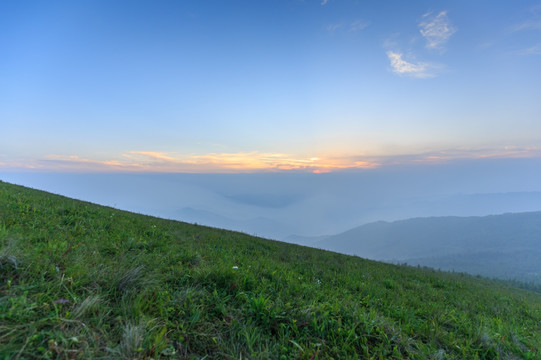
column 81, row 281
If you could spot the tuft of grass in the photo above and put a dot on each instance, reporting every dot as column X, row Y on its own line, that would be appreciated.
column 90, row 304
column 130, row 280
column 132, row 340
column 8, row 254
column 8, row 261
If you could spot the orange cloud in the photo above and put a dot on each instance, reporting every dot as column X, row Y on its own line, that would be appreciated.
column 148, row 161
column 273, row 162
column 76, row 163
column 153, row 155
column 141, row 161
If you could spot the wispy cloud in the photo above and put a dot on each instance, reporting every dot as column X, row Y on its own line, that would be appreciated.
column 147, row 161
column 420, row 70
column 532, row 50
column 78, row 164
column 358, row 25
column 153, row 155
column 436, row 30
column 333, row 27
column 511, row 152
column 527, row 25
column 256, row 161
column 391, row 42
column 324, row 2
column 463, row 153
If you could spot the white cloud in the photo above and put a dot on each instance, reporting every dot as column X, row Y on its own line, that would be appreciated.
column 323, row 2
column 402, row 67
column 436, row 30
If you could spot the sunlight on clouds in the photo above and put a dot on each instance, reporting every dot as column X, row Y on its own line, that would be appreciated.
column 153, row 155
column 144, row 161
column 274, row 161
column 76, row 163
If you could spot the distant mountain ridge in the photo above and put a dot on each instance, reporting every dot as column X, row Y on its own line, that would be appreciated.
column 505, row 246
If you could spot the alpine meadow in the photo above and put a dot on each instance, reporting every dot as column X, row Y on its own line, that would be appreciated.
column 83, row 281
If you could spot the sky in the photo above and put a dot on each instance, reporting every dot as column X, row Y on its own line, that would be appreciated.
column 266, row 86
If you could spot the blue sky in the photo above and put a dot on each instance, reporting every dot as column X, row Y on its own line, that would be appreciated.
column 248, row 86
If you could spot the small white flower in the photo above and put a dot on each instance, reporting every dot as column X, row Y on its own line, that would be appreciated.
column 235, row 267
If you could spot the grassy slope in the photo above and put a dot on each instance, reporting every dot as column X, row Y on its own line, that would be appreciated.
column 79, row 280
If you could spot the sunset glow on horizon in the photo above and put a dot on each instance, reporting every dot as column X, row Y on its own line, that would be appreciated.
column 158, row 162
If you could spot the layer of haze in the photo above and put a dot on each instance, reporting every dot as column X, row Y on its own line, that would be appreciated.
column 277, row 205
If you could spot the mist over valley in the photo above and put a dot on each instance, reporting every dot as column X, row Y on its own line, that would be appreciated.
column 349, row 212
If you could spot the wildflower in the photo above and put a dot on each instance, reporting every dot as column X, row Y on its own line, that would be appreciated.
column 235, row 267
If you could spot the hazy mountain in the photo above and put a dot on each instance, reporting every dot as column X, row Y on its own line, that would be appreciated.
column 506, row 246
